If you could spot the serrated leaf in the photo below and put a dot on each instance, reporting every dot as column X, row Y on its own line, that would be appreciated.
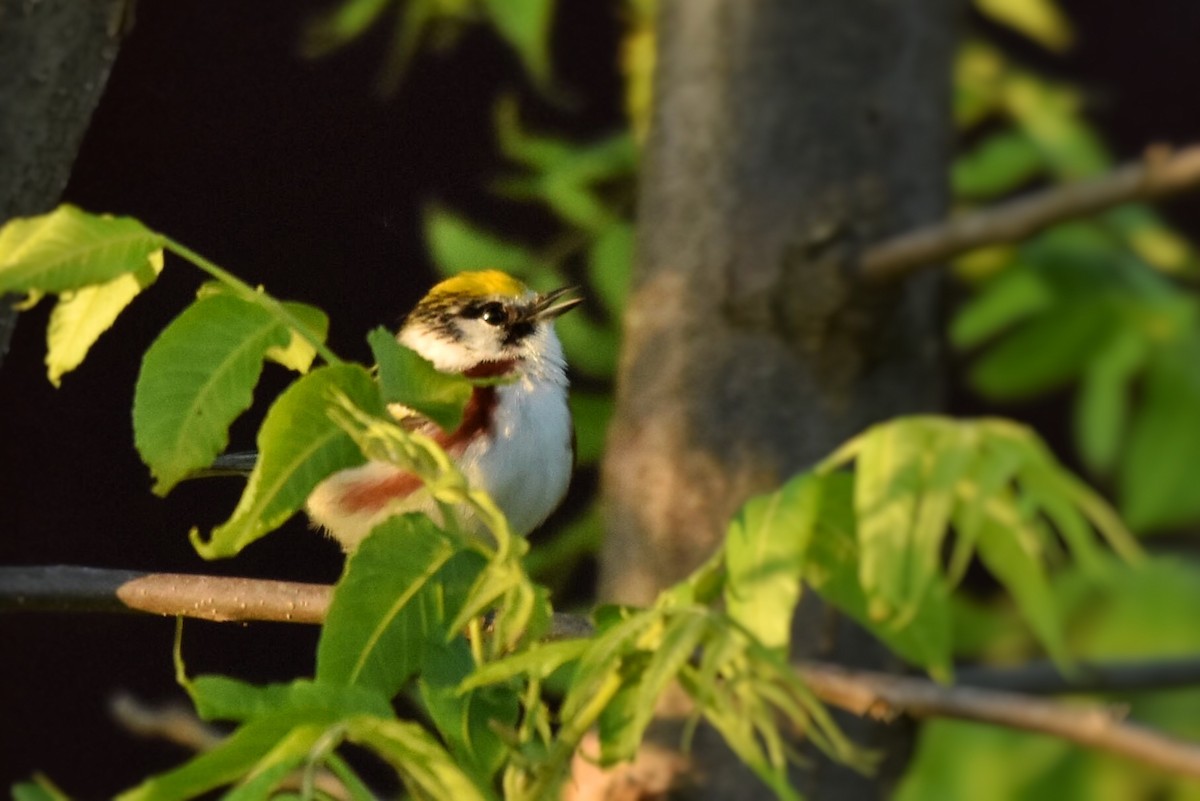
column 196, row 378
column 392, row 609
column 1156, row 481
column 525, row 25
column 69, row 249
column 1045, row 353
column 298, row 446
column 82, row 315
column 405, row 377
column 456, row 245
column 764, row 555
column 423, row 765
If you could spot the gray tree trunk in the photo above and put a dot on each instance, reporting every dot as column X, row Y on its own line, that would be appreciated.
column 55, row 56
column 786, row 137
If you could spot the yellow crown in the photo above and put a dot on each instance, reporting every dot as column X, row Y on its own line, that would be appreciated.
column 479, row 284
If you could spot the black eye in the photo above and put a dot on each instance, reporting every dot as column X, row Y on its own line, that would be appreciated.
column 493, row 313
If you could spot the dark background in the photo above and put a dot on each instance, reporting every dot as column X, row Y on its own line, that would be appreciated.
column 298, row 175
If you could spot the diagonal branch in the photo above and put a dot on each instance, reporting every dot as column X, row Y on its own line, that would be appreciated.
column 80, row 589
column 1159, row 173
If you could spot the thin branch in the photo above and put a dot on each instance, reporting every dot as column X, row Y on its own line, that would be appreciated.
column 886, row 696
column 860, row 692
column 1159, row 173
column 1044, row 678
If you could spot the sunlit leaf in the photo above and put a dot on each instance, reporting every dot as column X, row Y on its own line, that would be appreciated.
column 298, row 445
column 291, row 752
column 764, row 554
column 196, row 378
column 423, row 765
column 999, row 164
column 1040, row 20
column 299, row 353
column 69, row 249
column 82, row 315
column 525, row 25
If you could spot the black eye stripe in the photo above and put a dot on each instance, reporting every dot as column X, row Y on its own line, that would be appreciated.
column 491, row 312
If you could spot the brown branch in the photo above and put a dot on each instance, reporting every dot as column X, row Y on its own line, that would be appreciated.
column 886, row 696
column 859, row 692
column 1159, row 173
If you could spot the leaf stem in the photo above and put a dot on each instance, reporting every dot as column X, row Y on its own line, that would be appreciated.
column 252, row 295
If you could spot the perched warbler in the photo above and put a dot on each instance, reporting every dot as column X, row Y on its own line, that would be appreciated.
column 516, row 436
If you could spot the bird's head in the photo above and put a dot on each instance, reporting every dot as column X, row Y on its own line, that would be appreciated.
column 488, row 323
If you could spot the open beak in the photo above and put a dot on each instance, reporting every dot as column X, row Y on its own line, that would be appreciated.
column 552, row 304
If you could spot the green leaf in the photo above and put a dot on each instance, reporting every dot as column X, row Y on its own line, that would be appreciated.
column 299, row 353
column 82, row 315
column 1040, row 20
column 832, row 570
column 468, row 722
column 391, row 611
column 610, row 266
column 538, row 662
column 1009, row 547
column 1102, row 405
column 456, row 245
column 591, row 412
column 624, row 721
column 1001, row 163
column 40, row 789
column 231, row 759
column 1156, row 481
column 298, row 446
column 405, row 377
column 764, row 554
column 591, row 348
column 292, row 751
column 1014, row 295
column 225, row 698
column 1045, row 353
column 196, row 378
column 424, row 766
column 69, row 249
column 525, row 25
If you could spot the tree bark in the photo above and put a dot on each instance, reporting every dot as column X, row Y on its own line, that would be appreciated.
column 786, row 137
column 55, row 57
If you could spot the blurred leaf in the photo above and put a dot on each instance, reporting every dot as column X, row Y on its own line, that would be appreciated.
column 979, row 72
column 405, row 377
column 610, row 264
column 457, row 245
column 82, row 315
column 298, row 446
column 1040, row 20
column 39, row 789
column 1156, row 482
column 1045, row 353
column 1049, row 115
column 591, row 348
column 1011, row 297
column 591, row 412
column 197, row 377
column 343, row 23
column 1102, row 405
column 69, row 249
column 764, row 554
column 525, row 25
column 1001, row 163
column 292, row 751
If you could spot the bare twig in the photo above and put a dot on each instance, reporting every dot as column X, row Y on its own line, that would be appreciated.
column 1161, row 172
column 859, row 692
column 883, row 695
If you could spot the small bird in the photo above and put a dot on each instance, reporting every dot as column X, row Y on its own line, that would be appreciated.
column 516, row 439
